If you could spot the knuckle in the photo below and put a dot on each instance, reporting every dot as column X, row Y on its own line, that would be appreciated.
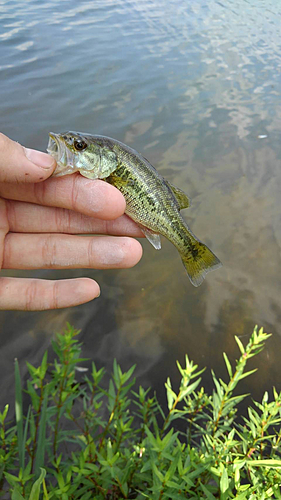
column 41, row 297
column 3, row 140
column 55, row 295
column 49, row 251
column 6, row 143
column 74, row 193
column 39, row 192
column 91, row 252
column 63, row 220
column 31, row 295
column 4, row 216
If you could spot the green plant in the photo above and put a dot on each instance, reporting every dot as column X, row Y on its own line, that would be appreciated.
column 81, row 439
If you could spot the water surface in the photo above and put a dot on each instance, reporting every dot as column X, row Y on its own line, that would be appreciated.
column 195, row 87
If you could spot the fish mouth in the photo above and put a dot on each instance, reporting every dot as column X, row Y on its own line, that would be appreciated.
column 54, row 148
column 64, row 157
column 58, row 150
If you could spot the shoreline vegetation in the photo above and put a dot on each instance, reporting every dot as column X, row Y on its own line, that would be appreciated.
column 85, row 435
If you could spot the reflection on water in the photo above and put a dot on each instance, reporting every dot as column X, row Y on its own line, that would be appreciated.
column 195, row 87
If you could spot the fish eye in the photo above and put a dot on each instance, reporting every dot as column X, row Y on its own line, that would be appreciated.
column 79, row 145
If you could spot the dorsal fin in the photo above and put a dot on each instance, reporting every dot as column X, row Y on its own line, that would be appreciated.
column 181, row 197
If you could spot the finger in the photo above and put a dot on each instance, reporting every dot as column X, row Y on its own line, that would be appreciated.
column 4, row 229
column 59, row 251
column 90, row 197
column 38, row 295
column 29, row 218
column 19, row 164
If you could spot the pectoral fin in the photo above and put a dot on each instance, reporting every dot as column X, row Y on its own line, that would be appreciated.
column 181, row 197
column 152, row 237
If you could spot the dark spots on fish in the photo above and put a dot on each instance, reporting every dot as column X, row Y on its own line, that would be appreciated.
column 177, row 228
column 133, row 184
column 124, row 174
column 197, row 250
column 41, row 178
column 137, row 187
column 150, row 200
column 194, row 251
column 136, row 193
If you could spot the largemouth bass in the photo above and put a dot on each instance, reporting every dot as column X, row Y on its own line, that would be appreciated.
column 151, row 201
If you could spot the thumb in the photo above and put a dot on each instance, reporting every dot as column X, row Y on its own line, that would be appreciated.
column 19, row 164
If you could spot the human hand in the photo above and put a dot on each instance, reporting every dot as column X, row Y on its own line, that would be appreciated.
column 39, row 222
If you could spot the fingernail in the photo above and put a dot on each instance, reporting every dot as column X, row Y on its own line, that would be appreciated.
column 40, row 159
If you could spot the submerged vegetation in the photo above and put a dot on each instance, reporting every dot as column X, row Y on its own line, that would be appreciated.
column 85, row 436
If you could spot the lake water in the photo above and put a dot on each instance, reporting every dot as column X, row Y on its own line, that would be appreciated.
column 195, row 87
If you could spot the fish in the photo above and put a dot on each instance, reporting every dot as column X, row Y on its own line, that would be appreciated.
column 151, row 201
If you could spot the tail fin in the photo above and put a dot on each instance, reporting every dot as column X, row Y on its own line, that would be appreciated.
column 199, row 260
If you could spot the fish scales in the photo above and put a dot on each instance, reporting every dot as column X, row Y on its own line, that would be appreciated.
column 150, row 207
column 151, row 201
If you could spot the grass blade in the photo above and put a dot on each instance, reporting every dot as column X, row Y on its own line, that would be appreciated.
column 41, row 444
column 25, row 433
column 35, row 490
column 19, row 414
column 16, row 495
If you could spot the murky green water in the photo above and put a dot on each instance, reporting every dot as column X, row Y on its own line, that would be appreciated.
column 195, row 87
